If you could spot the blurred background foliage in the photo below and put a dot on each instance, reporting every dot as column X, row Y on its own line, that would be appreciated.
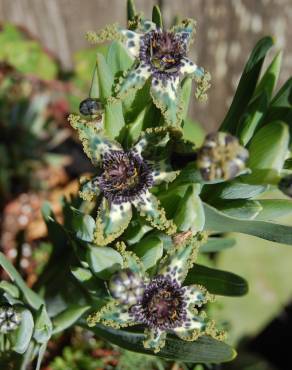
column 37, row 149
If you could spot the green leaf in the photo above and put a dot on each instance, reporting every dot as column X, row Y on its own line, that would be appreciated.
column 9, row 288
column 252, row 118
column 217, row 281
column 68, row 317
column 204, row 349
column 192, row 131
column 136, row 230
column 247, row 85
column 245, row 209
column 105, row 77
column 190, row 212
column 268, row 150
column 186, row 91
column 41, row 353
column 215, row 244
column 218, row 221
column 157, row 17
column 233, row 190
column 83, row 225
column 43, row 326
column 113, row 119
column 269, row 147
column 274, row 208
column 269, row 80
column 81, row 274
column 149, row 250
column 20, row 339
column 281, row 105
column 131, row 10
column 118, row 59
column 29, row 295
column 104, row 261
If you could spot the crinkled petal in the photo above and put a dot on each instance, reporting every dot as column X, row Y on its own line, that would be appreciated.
column 162, row 172
column 112, row 314
column 166, row 96
column 132, row 42
column 89, row 189
column 179, row 260
column 134, row 80
column 148, row 206
column 155, row 339
column 195, row 295
column 192, row 328
column 95, row 142
column 147, row 26
column 153, row 137
column 186, row 28
column 112, row 220
column 189, row 67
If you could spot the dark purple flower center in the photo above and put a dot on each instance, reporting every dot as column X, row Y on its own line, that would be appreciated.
column 125, row 176
column 163, row 305
column 163, row 51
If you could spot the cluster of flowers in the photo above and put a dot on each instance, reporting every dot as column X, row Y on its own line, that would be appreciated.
column 126, row 178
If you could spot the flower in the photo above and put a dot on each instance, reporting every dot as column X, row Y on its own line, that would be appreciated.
column 125, row 178
column 9, row 319
column 221, row 157
column 160, row 303
column 160, row 55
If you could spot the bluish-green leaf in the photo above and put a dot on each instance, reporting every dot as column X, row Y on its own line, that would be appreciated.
column 104, row 261
column 217, row 281
column 241, row 208
column 113, row 119
column 274, row 208
column 247, row 85
column 203, row 350
column 157, row 17
column 190, row 212
column 118, row 59
column 68, row 317
column 105, row 77
column 20, row 338
column 149, row 250
column 83, row 225
column 131, row 10
column 216, row 244
column 43, row 326
column 218, row 221
column 30, row 297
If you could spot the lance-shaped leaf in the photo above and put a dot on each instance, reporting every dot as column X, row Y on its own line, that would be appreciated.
column 149, row 250
column 43, row 326
column 190, row 212
column 217, row 281
column 104, row 261
column 67, row 318
column 241, row 208
column 20, row 338
column 247, row 85
column 218, row 221
column 216, row 244
column 204, row 350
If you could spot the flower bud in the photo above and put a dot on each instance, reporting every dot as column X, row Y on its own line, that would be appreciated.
column 89, row 107
column 127, row 287
column 221, row 157
column 9, row 319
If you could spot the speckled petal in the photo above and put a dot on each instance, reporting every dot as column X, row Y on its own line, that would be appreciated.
column 162, row 172
column 186, row 28
column 192, row 328
column 154, row 137
column 132, row 42
column 89, row 189
column 189, row 67
column 179, row 260
column 112, row 220
column 195, row 295
column 147, row 26
column 148, row 206
column 155, row 339
column 112, row 314
column 166, row 96
column 134, row 80
column 95, row 143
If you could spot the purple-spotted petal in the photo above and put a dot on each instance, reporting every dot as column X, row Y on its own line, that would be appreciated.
column 162, row 172
column 195, row 295
column 133, row 81
column 155, row 339
column 132, row 42
column 165, row 92
column 192, row 327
